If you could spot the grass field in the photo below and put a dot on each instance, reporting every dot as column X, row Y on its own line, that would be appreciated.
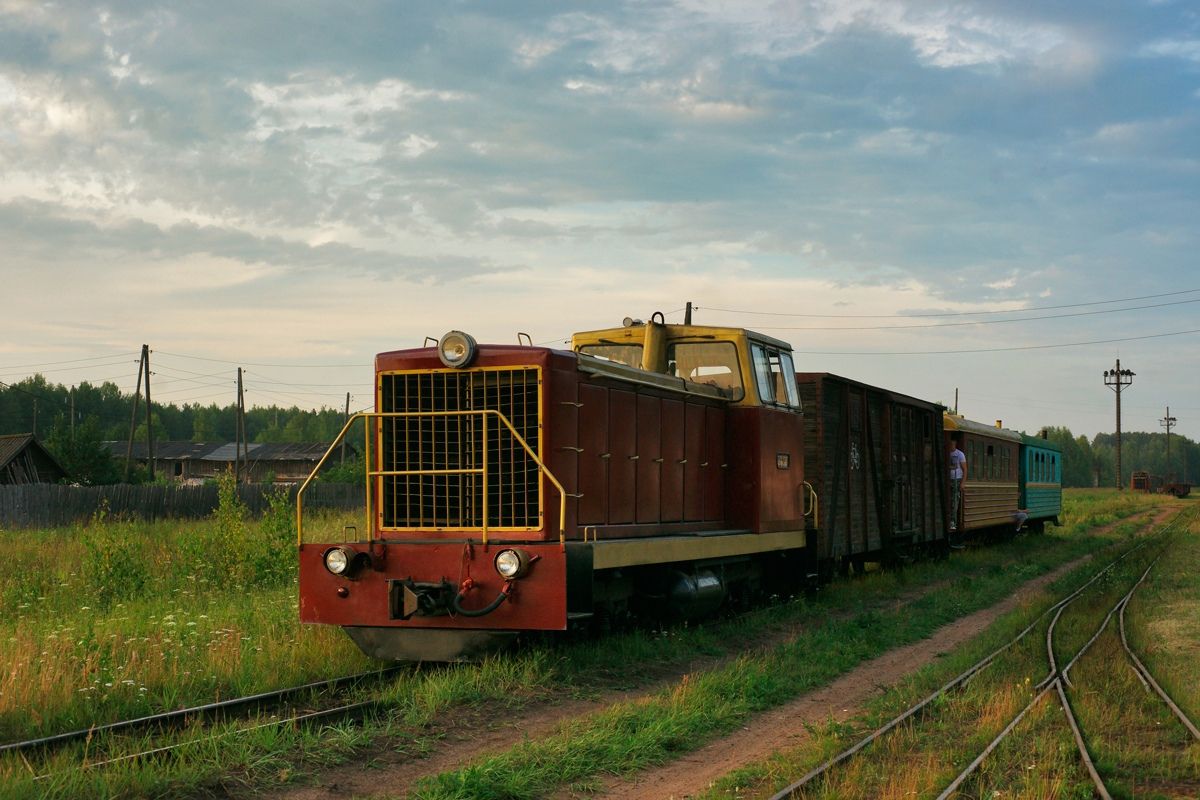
column 117, row 619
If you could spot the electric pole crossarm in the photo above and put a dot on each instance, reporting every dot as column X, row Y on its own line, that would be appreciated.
column 1168, row 422
column 1117, row 379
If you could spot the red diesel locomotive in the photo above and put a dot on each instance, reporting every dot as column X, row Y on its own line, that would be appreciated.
column 653, row 468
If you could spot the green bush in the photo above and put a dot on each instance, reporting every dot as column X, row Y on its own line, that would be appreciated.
column 114, row 565
column 234, row 551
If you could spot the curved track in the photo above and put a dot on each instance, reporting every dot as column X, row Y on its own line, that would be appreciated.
column 1056, row 680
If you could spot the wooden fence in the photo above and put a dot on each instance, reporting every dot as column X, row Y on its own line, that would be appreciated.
column 47, row 505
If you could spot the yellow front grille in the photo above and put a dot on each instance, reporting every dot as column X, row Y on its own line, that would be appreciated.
column 442, row 448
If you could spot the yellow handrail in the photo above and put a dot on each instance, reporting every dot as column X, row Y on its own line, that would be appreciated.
column 380, row 474
column 814, row 508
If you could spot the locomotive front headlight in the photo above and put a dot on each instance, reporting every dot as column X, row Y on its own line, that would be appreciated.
column 337, row 560
column 512, row 563
column 456, row 349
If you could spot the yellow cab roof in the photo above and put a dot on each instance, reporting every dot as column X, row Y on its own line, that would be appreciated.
column 636, row 333
column 654, row 337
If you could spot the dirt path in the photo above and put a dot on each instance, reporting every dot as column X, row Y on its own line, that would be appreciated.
column 390, row 771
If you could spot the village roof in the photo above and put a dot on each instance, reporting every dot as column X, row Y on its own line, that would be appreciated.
column 13, row 444
column 222, row 451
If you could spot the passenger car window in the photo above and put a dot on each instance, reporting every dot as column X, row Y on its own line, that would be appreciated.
column 710, row 363
column 628, row 354
column 775, row 375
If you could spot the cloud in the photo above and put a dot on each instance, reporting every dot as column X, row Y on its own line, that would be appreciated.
column 39, row 230
column 1186, row 49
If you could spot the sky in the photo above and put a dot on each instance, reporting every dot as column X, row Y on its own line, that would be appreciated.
column 293, row 187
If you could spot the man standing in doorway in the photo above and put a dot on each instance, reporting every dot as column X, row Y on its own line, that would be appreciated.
column 958, row 469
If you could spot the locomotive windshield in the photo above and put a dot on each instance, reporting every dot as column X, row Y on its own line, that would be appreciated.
column 628, row 354
column 775, row 375
column 711, row 363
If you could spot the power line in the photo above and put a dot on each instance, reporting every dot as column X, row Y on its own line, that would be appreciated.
column 72, row 369
column 69, row 361
column 975, row 322
column 987, row 349
column 253, row 364
column 946, row 313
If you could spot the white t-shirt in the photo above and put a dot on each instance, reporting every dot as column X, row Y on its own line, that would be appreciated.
column 957, row 460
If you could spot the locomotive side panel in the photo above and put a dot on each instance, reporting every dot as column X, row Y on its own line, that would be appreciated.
column 593, row 445
column 622, row 446
column 714, row 465
column 766, row 469
column 694, row 464
column 644, row 463
column 672, row 460
column 649, row 453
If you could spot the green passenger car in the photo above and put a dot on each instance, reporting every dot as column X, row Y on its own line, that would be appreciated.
column 1041, row 481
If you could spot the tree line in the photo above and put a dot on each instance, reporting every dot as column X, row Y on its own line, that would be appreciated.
column 1094, row 462
column 103, row 413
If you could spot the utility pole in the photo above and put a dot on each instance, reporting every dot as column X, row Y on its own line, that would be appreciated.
column 237, row 448
column 35, row 418
column 73, row 416
column 1168, row 422
column 1118, row 379
column 137, row 396
column 242, row 427
column 344, row 418
column 149, row 413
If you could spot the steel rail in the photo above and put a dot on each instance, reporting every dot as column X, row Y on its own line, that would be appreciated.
column 1119, row 606
column 181, row 715
column 971, row 671
column 962, row 776
column 305, row 717
column 1079, row 743
column 1148, row 680
column 1057, row 680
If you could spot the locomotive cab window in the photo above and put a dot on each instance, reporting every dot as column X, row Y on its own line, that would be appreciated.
column 776, row 376
column 628, row 354
column 711, row 363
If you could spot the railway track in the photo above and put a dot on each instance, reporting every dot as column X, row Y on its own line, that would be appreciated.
column 292, row 705
column 1056, row 681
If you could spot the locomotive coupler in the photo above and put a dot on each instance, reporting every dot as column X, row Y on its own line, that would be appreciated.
column 419, row 598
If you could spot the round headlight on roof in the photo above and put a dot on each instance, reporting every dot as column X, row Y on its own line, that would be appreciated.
column 456, row 349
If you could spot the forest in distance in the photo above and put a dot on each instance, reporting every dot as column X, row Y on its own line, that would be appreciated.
column 102, row 413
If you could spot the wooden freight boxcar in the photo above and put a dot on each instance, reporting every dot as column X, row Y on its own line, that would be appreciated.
column 877, row 463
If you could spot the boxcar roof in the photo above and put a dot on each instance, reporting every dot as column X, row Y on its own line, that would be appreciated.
column 954, row 422
column 804, row 377
column 1037, row 441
